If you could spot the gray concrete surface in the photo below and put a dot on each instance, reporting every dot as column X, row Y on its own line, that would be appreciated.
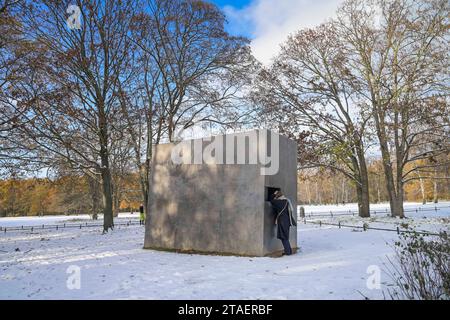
column 217, row 208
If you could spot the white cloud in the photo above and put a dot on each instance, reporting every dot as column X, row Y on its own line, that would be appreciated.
column 269, row 22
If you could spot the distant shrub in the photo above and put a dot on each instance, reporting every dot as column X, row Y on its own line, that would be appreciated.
column 421, row 268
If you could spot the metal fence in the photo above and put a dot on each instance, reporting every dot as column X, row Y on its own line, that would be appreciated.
column 372, row 212
column 64, row 226
column 365, row 226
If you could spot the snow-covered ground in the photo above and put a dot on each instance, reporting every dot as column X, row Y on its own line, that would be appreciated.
column 332, row 264
column 430, row 217
column 51, row 220
column 412, row 209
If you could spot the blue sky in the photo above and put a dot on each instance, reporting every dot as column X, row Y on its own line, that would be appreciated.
column 268, row 22
column 234, row 3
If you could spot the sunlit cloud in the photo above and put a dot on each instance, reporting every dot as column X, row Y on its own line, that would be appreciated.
column 269, row 22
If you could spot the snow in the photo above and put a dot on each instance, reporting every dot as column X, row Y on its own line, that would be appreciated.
column 58, row 219
column 383, row 208
column 430, row 217
column 332, row 264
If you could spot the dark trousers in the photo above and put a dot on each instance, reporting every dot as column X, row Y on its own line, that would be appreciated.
column 287, row 247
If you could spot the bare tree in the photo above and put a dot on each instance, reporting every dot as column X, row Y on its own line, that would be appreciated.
column 13, row 53
column 188, row 70
column 309, row 94
column 73, row 92
column 397, row 53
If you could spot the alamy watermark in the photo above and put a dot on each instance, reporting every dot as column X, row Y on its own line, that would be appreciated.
column 374, row 280
column 259, row 147
column 74, row 20
column 73, row 281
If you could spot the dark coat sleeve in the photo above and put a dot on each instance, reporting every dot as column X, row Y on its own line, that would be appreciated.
column 283, row 223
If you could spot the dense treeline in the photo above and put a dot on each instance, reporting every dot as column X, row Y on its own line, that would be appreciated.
column 66, row 195
column 322, row 186
column 77, row 195
column 87, row 88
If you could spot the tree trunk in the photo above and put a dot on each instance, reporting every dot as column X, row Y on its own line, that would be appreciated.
column 397, row 199
column 107, row 188
column 95, row 196
column 148, row 166
column 390, row 187
column 435, row 191
column 395, row 196
column 335, row 192
column 108, row 220
column 378, row 191
column 116, row 204
column 422, row 190
column 398, row 206
column 318, row 197
column 363, row 198
column 362, row 192
column 364, row 211
column 308, row 192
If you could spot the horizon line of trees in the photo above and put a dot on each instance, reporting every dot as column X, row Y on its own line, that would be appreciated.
column 322, row 186
column 76, row 194
column 69, row 195
column 93, row 101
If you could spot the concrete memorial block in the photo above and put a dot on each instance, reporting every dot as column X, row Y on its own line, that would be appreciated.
column 210, row 195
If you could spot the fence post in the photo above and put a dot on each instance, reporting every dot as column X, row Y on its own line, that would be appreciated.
column 302, row 212
column 56, row 227
column 339, row 224
column 5, row 229
column 80, row 225
column 398, row 230
column 364, row 226
column 320, row 223
column 31, row 229
column 304, row 219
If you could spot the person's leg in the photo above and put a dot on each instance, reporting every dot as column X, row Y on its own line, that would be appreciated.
column 287, row 247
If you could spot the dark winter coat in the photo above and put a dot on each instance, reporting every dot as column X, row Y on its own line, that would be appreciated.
column 283, row 217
